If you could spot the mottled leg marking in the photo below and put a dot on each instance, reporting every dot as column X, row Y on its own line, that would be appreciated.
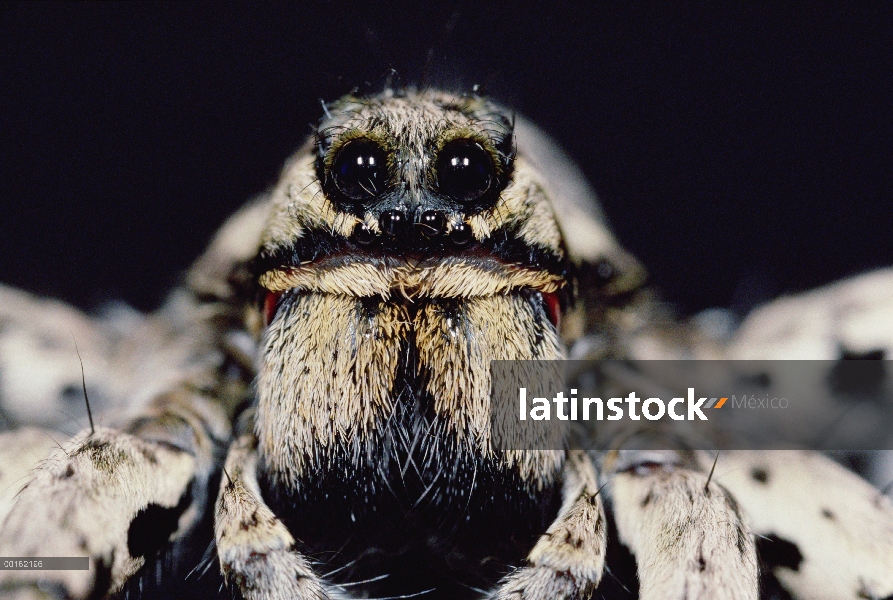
column 825, row 532
column 568, row 560
column 686, row 533
column 98, row 497
column 254, row 547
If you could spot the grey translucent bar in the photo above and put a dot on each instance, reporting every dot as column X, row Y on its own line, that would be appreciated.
column 844, row 405
column 44, row 563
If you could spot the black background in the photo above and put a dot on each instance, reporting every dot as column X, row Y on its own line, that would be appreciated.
column 740, row 152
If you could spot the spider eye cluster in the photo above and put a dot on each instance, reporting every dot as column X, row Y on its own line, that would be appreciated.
column 417, row 201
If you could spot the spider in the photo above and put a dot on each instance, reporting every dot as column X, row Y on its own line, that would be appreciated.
column 308, row 415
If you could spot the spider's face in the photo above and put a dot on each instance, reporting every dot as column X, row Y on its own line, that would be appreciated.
column 419, row 195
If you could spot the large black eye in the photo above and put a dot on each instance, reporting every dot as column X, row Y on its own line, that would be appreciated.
column 359, row 170
column 464, row 170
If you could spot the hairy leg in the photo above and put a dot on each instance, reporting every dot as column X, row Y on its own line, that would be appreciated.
column 684, row 529
column 113, row 496
column 568, row 560
column 255, row 548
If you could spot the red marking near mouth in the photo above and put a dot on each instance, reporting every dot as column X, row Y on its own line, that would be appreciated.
column 553, row 308
column 271, row 303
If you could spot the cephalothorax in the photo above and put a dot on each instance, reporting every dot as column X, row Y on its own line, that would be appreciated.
column 335, row 343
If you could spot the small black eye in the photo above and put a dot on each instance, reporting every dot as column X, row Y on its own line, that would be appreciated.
column 432, row 223
column 363, row 235
column 464, row 170
column 393, row 223
column 359, row 170
column 461, row 235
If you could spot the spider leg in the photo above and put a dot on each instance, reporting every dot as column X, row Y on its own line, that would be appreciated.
column 568, row 560
column 108, row 495
column 822, row 530
column 255, row 548
column 684, row 529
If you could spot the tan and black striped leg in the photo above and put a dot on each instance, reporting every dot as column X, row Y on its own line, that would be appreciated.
column 568, row 560
column 255, row 548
